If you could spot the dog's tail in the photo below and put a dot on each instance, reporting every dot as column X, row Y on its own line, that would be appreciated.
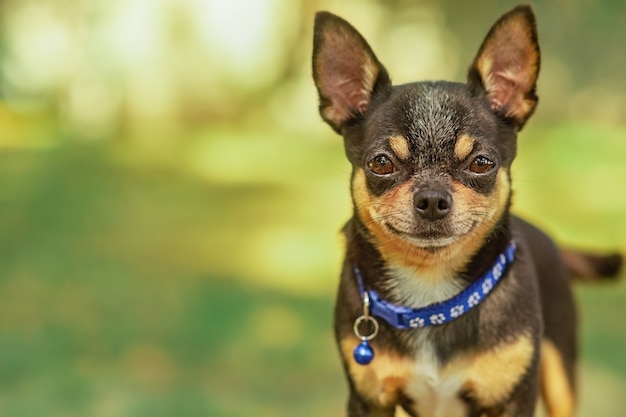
column 588, row 267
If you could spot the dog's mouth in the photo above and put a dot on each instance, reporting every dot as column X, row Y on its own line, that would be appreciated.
column 431, row 237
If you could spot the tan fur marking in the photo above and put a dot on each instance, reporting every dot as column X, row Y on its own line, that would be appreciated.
column 555, row 387
column 424, row 275
column 395, row 249
column 373, row 210
column 397, row 204
column 490, row 209
column 383, row 379
column 491, row 376
column 370, row 73
column 400, row 146
column 464, row 146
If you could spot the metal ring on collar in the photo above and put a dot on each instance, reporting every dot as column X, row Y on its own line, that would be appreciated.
column 369, row 319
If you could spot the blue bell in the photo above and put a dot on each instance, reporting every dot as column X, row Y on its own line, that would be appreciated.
column 363, row 353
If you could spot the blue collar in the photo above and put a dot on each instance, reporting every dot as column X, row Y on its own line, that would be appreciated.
column 436, row 314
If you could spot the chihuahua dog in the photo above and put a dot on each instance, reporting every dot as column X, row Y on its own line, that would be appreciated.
column 448, row 305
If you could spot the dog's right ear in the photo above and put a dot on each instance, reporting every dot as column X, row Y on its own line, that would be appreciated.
column 345, row 70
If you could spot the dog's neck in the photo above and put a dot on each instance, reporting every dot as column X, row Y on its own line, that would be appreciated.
column 442, row 275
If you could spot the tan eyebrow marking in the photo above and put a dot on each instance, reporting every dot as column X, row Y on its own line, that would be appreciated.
column 400, row 146
column 464, row 145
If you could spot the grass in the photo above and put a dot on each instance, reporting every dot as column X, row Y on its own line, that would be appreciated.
column 201, row 282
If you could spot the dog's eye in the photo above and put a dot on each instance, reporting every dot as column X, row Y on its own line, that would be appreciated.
column 481, row 165
column 381, row 165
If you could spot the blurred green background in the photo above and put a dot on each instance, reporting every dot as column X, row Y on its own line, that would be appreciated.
column 170, row 202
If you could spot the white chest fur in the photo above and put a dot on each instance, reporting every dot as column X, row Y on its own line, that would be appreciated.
column 413, row 289
column 435, row 391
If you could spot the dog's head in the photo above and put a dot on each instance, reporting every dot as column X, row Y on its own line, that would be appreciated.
column 431, row 160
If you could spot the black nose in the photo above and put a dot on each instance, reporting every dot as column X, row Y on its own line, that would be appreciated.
column 432, row 204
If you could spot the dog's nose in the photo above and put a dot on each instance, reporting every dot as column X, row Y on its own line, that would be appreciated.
column 432, row 204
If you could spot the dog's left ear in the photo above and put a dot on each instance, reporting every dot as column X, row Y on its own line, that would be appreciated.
column 507, row 65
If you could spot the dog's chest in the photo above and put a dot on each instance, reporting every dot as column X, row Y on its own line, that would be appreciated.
column 419, row 382
column 429, row 388
column 433, row 390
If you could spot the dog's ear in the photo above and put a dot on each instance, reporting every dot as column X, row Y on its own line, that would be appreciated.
column 345, row 70
column 507, row 65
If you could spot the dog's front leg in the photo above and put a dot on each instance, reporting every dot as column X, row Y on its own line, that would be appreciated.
column 523, row 401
